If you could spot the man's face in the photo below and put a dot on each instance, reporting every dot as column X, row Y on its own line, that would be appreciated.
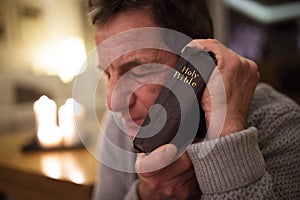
column 120, row 98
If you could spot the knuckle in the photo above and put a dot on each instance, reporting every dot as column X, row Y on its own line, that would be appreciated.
column 213, row 40
column 169, row 192
column 146, row 175
column 253, row 66
column 254, row 69
column 154, row 185
column 236, row 62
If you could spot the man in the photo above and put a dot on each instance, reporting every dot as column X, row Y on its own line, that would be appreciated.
column 255, row 153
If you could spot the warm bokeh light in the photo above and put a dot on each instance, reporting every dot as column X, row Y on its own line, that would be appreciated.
column 45, row 111
column 63, row 58
column 49, row 135
column 76, row 176
column 64, row 167
column 69, row 114
column 51, row 167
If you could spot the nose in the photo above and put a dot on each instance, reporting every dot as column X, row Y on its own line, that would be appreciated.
column 119, row 96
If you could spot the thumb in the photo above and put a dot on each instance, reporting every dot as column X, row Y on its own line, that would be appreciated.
column 159, row 158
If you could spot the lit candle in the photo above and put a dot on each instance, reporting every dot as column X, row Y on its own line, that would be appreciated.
column 45, row 111
column 68, row 115
column 49, row 135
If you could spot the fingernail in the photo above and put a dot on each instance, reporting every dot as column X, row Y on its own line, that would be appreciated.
column 196, row 47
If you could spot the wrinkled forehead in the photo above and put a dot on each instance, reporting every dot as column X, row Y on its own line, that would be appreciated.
column 128, row 41
column 136, row 39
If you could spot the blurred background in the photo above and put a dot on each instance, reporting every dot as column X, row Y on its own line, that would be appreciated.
column 266, row 31
column 43, row 44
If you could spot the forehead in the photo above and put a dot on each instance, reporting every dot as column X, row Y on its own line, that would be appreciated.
column 124, row 21
column 128, row 31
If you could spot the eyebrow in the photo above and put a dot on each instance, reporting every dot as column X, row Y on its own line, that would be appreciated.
column 130, row 64
column 123, row 68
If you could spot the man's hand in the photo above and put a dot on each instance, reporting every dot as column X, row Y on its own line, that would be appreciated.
column 238, row 77
column 175, row 180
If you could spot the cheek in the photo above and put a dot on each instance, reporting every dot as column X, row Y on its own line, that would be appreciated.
column 148, row 94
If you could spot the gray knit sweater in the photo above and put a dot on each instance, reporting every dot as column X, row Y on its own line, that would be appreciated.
column 261, row 162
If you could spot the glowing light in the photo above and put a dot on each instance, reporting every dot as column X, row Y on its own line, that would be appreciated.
column 63, row 58
column 63, row 167
column 76, row 176
column 49, row 135
column 74, row 171
column 44, row 111
column 52, row 167
column 48, row 132
column 69, row 114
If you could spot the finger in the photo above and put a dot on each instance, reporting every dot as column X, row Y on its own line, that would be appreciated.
column 182, row 186
column 193, row 44
column 169, row 186
column 190, row 190
column 181, row 179
column 207, row 45
column 220, row 51
column 178, row 168
column 158, row 159
column 181, row 165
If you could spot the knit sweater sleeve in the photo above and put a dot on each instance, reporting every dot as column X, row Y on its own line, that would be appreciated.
column 261, row 162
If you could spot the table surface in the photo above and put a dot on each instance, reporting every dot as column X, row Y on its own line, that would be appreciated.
column 44, row 175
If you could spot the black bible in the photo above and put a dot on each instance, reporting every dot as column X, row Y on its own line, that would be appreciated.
column 192, row 71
